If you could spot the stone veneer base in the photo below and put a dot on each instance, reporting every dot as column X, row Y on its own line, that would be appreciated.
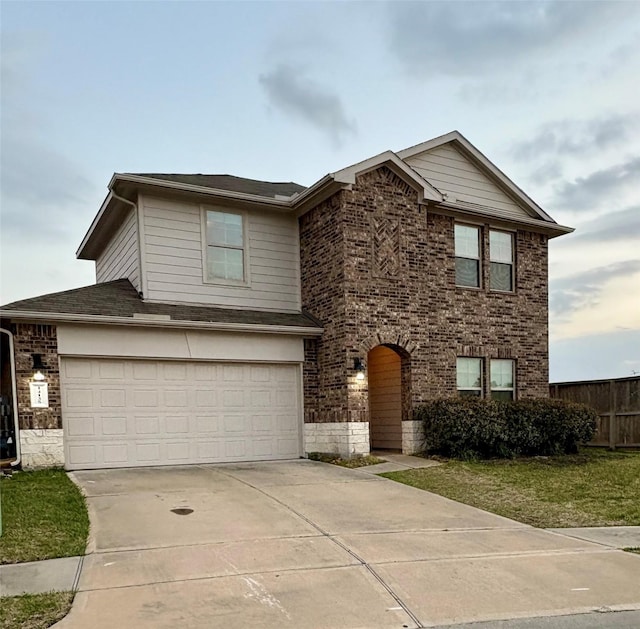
column 343, row 438
column 42, row 447
column 412, row 437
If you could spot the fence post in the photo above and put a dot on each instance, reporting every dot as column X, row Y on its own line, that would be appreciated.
column 613, row 418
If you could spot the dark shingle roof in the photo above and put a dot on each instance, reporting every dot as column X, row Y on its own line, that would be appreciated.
column 120, row 299
column 232, row 183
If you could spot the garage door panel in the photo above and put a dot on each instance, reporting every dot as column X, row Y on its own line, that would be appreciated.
column 120, row 413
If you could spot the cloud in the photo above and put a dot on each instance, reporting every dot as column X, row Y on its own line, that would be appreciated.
column 615, row 226
column 590, row 192
column 287, row 90
column 549, row 171
column 569, row 137
column 467, row 38
column 583, row 290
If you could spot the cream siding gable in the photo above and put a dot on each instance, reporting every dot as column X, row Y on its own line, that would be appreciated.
column 120, row 258
column 174, row 261
column 462, row 181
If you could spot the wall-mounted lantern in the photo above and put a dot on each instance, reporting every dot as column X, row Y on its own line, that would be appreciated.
column 359, row 367
column 38, row 367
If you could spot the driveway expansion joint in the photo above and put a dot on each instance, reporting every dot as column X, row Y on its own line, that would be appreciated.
column 362, row 562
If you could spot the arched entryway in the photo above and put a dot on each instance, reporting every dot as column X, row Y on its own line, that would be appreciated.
column 388, row 373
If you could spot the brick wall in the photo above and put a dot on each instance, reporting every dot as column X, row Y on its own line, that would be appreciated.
column 31, row 338
column 379, row 268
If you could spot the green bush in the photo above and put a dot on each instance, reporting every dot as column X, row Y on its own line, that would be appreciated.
column 467, row 428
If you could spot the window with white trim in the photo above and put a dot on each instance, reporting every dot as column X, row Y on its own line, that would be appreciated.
column 225, row 246
column 467, row 247
column 469, row 377
column 501, row 261
column 502, row 379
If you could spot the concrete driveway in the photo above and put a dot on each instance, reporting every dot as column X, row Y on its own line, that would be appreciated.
column 305, row 544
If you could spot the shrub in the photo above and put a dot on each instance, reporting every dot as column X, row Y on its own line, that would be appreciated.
column 466, row 427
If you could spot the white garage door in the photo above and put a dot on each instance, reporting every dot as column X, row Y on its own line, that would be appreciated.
column 121, row 413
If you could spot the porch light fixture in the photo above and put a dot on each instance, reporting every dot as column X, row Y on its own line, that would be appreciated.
column 38, row 366
column 358, row 365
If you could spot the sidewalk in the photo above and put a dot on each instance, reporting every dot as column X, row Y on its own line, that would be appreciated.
column 37, row 577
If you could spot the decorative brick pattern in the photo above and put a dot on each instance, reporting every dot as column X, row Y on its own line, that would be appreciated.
column 33, row 338
column 42, row 448
column 419, row 312
column 386, row 246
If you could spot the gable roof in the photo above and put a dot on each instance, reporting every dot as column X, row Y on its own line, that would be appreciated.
column 396, row 165
column 487, row 166
column 290, row 196
column 231, row 183
column 119, row 302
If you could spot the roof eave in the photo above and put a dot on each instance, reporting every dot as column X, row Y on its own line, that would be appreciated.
column 65, row 317
column 551, row 229
column 86, row 249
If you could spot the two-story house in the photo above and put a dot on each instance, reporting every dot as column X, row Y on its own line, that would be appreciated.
column 236, row 320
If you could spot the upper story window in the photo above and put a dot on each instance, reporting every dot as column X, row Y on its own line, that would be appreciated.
column 502, row 379
column 501, row 259
column 469, row 376
column 225, row 246
column 467, row 245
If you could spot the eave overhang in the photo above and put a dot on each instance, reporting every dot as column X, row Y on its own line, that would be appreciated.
column 140, row 321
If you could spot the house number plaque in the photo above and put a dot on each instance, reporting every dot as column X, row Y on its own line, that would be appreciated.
column 39, row 394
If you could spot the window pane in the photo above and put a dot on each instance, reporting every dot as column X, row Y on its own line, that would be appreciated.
column 224, row 229
column 500, row 276
column 500, row 247
column 466, row 239
column 505, row 396
column 468, row 373
column 502, row 374
column 467, row 272
column 470, row 393
column 225, row 263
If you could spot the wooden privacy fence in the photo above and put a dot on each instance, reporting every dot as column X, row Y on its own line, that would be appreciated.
column 617, row 402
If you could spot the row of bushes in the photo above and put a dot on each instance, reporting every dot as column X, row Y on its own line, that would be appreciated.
column 469, row 428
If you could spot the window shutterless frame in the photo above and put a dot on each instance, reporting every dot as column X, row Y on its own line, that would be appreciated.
column 467, row 253
column 225, row 258
column 469, row 376
column 501, row 258
column 502, row 379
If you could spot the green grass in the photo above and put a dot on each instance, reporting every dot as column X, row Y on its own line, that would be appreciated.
column 353, row 462
column 593, row 488
column 34, row 611
column 43, row 516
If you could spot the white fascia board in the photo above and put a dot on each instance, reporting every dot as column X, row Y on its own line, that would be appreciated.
column 552, row 229
column 162, row 323
column 348, row 175
column 484, row 162
column 214, row 192
column 94, row 223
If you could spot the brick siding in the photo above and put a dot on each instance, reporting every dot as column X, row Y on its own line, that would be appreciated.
column 32, row 338
column 379, row 268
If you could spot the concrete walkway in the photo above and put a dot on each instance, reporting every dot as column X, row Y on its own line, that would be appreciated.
column 614, row 536
column 397, row 463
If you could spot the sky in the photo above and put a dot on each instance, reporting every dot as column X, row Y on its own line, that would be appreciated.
column 289, row 91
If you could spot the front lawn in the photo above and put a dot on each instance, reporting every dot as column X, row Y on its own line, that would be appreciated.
column 593, row 488
column 43, row 516
column 34, row 611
